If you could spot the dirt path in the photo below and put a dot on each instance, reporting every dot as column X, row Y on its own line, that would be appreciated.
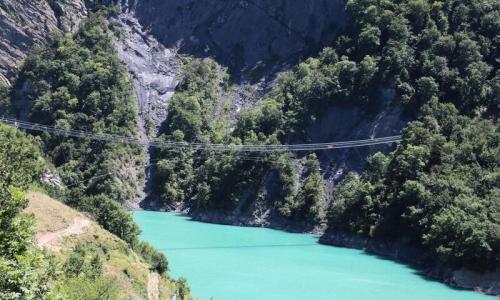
column 50, row 239
column 153, row 290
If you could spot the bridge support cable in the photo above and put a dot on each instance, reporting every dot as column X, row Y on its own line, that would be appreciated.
column 159, row 143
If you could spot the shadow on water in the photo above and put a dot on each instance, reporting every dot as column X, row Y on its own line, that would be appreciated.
column 421, row 271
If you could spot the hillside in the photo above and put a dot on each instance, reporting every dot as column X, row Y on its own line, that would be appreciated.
column 66, row 255
column 60, row 229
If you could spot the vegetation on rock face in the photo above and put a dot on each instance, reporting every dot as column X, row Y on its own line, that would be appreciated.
column 439, row 189
column 421, row 49
column 307, row 203
column 222, row 180
column 78, row 82
column 75, row 82
column 209, row 180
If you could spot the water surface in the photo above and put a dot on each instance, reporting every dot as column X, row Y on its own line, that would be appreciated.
column 227, row 262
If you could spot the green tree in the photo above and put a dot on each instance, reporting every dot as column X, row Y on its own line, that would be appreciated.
column 156, row 259
column 21, row 273
column 111, row 216
column 310, row 196
column 183, row 289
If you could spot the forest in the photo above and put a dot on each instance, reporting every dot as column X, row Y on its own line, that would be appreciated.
column 439, row 188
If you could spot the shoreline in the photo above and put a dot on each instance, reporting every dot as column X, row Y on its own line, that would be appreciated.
column 486, row 283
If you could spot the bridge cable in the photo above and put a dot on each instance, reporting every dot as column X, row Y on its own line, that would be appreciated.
column 159, row 143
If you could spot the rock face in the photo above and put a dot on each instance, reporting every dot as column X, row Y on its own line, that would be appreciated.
column 488, row 283
column 396, row 250
column 153, row 71
column 246, row 35
column 355, row 123
column 26, row 24
column 253, row 38
column 152, row 67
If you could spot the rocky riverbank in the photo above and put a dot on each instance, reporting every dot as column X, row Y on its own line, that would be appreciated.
column 268, row 221
column 488, row 283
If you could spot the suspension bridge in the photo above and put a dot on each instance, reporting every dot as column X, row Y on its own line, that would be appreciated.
column 158, row 143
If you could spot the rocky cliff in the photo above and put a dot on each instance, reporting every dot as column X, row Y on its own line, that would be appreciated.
column 252, row 36
column 153, row 71
column 26, row 24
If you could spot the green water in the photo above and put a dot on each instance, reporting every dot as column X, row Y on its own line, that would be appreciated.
column 227, row 262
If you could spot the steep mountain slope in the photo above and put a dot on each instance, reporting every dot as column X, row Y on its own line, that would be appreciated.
column 153, row 69
column 226, row 31
column 80, row 260
column 195, row 65
column 78, row 81
column 26, row 25
column 150, row 50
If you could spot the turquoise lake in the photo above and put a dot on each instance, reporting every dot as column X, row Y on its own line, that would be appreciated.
column 231, row 263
